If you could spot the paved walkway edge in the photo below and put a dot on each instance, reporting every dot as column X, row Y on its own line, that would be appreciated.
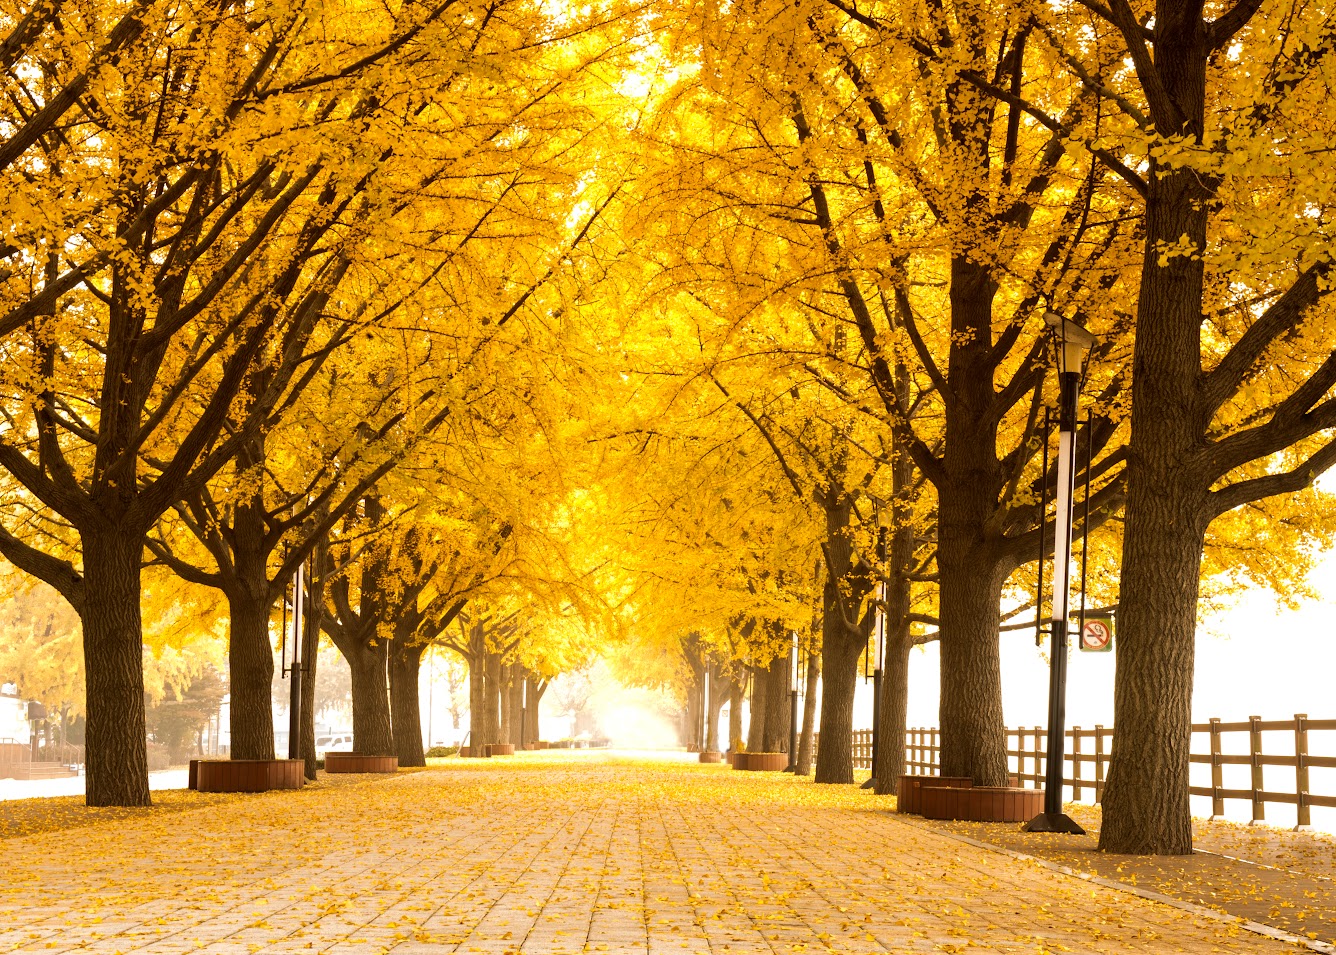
column 1257, row 928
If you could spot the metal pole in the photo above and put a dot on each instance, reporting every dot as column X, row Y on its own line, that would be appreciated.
column 1052, row 818
column 792, row 767
column 295, row 707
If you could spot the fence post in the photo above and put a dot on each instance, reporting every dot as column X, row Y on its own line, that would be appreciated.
column 1099, row 763
column 1076, row 764
column 1304, row 820
column 1255, row 748
column 1038, row 765
column 1217, row 773
column 936, row 753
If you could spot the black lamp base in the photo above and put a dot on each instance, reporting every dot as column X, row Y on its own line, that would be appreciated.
column 1053, row 822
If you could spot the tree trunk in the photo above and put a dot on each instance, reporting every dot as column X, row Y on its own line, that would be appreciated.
column 477, row 696
column 1146, row 804
column 717, row 699
column 735, row 695
column 250, row 676
column 893, row 718
column 491, row 716
column 693, row 718
column 310, row 662
column 756, row 712
column 536, row 689
column 373, row 733
column 839, row 663
column 405, row 705
column 775, row 737
column 115, row 737
column 250, row 601
column 506, row 688
column 973, row 736
column 808, row 738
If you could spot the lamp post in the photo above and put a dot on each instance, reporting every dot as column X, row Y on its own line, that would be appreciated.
column 878, row 649
column 295, row 667
column 792, row 767
column 1074, row 344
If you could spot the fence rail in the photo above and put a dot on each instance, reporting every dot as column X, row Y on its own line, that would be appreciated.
column 1089, row 749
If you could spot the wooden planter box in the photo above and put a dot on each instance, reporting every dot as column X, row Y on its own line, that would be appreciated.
column 732, row 758
column 359, row 763
column 981, row 803
column 907, row 797
column 710, row 756
column 501, row 749
column 475, row 751
column 246, row 775
column 761, row 762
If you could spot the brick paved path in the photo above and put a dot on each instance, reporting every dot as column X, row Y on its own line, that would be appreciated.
column 560, row 853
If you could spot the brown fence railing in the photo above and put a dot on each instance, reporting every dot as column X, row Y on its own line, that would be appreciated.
column 1087, row 759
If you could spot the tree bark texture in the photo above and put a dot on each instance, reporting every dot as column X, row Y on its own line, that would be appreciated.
column 973, row 735
column 505, row 685
column 405, row 701
column 844, row 639
column 718, row 696
column 1146, row 807
column 756, row 712
column 893, row 719
column 735, row 697
column 536, row 689
column 373, row 733
column 775, row 738
column 250, row 656
column 115, row 737
column 808, row 737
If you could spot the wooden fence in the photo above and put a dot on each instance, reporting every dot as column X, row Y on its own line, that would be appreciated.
column 1087, row 759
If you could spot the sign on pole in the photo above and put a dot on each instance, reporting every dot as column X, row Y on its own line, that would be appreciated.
column 1097, row 634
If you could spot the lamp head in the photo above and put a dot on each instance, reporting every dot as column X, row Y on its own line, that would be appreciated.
column 1074, row 342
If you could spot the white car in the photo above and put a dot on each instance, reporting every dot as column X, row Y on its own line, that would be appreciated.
column 333, row 743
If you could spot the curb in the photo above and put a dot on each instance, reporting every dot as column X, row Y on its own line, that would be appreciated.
column 1257, row 928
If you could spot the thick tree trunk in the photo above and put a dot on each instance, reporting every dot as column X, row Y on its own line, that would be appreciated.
column 839, row 664
column 116, row 754
column 373, row 733
column 492, row 700
column 808, row 737
column 756, row 712
column 693, row 718
column 250, row 601
column 250, row 657
column 1146, row 806
column 477, row 697
column 735, row 696
column 893, row 717
column 405, row 704
column 973, row 736
column 775, row 737
column 536, row 689
column 718, row 695
column 506, row 690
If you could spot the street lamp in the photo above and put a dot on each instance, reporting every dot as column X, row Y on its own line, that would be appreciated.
column 1073, row 345
column 881, row 592
column 792, row 767
column 295, row 667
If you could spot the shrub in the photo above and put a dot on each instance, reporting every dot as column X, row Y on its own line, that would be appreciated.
column 438, row 751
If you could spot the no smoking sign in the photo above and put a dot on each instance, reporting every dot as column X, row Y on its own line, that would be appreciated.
column 1097, row 634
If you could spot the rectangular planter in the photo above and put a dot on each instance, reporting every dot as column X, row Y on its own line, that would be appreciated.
column 981, row 803
column 359, row 763
column 246, row 775
column 710, row 756
column 761, row 762
column 907, row 797
column 501, row 749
